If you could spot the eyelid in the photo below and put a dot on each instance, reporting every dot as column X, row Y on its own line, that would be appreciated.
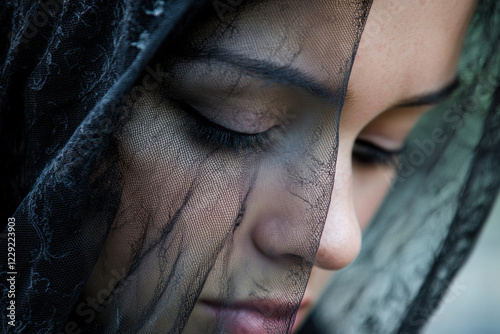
column 218, row 137
column 196, row 113
column 238, row 120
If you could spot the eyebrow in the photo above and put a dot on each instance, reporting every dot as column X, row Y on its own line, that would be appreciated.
column 432, row 98
column 284, row 74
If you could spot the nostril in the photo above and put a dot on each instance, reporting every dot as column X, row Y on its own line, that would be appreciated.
column 296, row 261
column 283, row 258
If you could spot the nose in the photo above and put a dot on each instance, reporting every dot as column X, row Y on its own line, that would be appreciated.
column 341, row 239
column 283, row 233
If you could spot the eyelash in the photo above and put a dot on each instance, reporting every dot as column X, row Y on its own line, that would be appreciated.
column 219, row 137
column 371, row 155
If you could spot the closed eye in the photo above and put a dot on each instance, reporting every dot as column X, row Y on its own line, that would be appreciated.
column 369, row 154
column 219, row 137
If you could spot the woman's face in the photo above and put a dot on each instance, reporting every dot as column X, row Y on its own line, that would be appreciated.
column 407, row 57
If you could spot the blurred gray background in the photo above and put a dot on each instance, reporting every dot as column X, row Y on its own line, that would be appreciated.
column 472, row 304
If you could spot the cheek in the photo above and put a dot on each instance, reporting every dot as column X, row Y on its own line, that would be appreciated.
column 166, row 174
column 370, row 185
column 162, row 161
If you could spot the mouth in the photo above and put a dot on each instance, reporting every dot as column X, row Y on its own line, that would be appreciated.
column 254, row 316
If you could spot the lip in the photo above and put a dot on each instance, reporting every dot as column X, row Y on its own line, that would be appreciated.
column 254, row 316
column 301, row 313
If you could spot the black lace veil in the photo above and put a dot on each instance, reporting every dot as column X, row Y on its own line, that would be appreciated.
column 126, row 200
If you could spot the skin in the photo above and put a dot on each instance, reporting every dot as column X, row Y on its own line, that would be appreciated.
column 407, row 50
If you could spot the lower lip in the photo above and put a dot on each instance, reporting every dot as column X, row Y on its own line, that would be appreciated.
column 243, row 321
column 299, row 318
